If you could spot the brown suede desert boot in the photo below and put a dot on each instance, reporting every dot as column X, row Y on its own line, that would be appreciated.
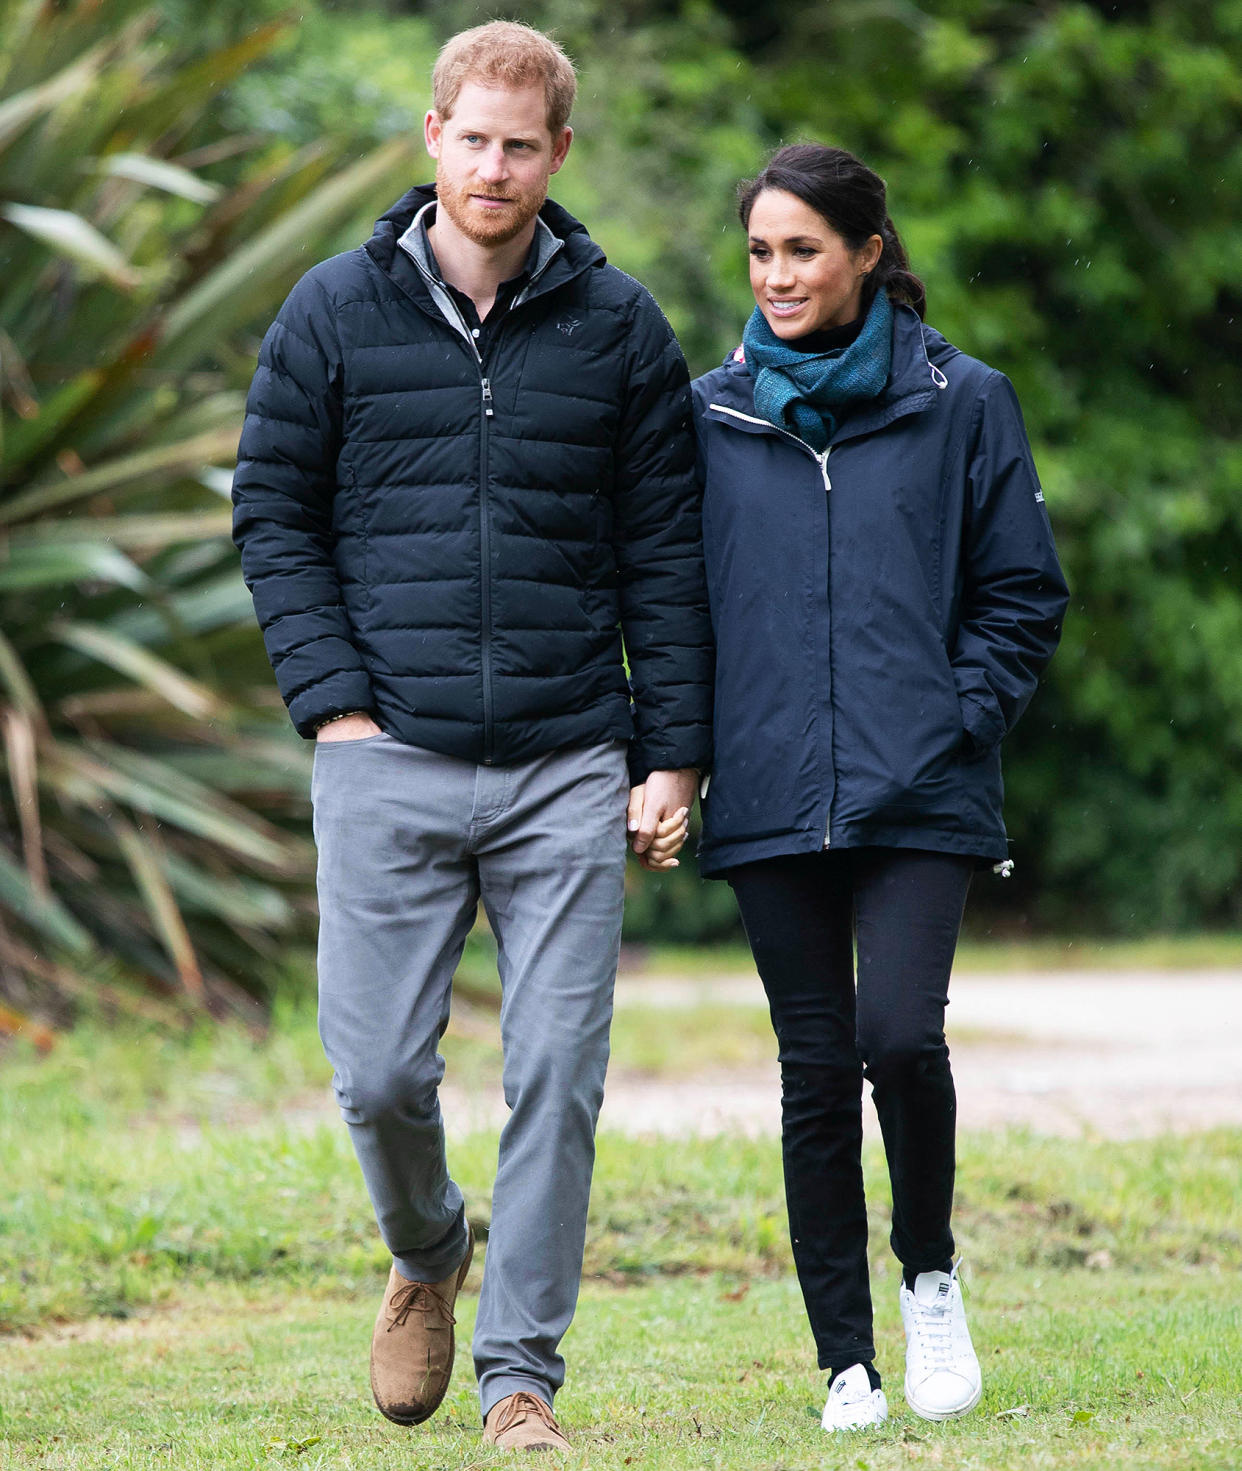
column 412, row 1346
column 522, row 1422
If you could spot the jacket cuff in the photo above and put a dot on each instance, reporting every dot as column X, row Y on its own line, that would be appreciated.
column 339, row 694
column 981, row 713
column 643, row 761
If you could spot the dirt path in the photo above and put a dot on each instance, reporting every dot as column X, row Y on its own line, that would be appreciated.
column 1112, row 1054
column 1115, row 1054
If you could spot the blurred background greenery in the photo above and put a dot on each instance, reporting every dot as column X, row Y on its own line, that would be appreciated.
column 1064, row 174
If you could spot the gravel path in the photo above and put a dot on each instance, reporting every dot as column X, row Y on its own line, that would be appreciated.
column 1113, row 1054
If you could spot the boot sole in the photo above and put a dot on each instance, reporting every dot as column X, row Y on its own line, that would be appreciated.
column 426, row 1414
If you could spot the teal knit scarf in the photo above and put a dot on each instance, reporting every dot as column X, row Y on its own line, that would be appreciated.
column 801, row 391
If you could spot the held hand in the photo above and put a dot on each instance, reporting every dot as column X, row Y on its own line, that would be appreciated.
column 351, row 728
column 670, row 835
column 658, row 814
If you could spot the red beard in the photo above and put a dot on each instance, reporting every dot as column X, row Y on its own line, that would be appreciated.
column 487, row 227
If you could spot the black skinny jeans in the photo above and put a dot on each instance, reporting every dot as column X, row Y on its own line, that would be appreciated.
column 802, row 914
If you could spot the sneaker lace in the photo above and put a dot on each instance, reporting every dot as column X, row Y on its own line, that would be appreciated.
column 518, row 1407
column 933, row 1323
column 421, row 1296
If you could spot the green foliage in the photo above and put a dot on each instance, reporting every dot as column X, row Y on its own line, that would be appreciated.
column 152, row 809
column 1062, row 175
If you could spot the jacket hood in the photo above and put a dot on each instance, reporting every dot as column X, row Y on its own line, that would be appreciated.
column 580, row 250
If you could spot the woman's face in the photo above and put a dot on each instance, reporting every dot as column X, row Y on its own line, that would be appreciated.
column 803, row 274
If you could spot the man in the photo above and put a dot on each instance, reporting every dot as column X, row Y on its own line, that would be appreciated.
column 466, row 471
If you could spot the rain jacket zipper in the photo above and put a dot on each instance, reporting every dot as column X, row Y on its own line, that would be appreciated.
column 822, row 462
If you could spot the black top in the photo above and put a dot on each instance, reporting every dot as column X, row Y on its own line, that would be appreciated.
column 506, row 293
column 831, row 338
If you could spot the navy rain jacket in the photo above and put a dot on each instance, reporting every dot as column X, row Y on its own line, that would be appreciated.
column 882, row 611
column 455, row 545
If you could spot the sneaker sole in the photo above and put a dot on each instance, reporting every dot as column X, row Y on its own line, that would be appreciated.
column 408, row 1420
column 944, row 1414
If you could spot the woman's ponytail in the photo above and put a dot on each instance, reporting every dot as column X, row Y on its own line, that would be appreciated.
column 892, row 271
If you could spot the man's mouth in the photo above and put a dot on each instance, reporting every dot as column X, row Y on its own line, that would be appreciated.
column 490, row 199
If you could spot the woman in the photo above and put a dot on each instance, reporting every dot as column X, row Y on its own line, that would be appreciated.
column 885, row 595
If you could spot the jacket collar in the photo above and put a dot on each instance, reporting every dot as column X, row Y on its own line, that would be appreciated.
column 416, row 245
column 914, row 383
column 565, row 248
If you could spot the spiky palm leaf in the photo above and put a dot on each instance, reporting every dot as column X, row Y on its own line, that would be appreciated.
column 151, row 823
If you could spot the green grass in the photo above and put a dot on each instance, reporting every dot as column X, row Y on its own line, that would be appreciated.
column 188, row 1270
column 676, row 1374
column 680, row 1040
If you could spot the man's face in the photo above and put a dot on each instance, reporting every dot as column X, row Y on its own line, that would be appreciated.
column 494, row 156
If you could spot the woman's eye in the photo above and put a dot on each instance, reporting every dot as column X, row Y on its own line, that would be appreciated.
column 758, row 252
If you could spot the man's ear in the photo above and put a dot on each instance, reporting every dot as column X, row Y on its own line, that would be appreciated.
column 560, row 148
column 433, row 131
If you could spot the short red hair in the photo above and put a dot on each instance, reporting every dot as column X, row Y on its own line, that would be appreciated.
column 505, row 53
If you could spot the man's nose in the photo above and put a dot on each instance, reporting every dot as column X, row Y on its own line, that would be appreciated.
column 494, row 166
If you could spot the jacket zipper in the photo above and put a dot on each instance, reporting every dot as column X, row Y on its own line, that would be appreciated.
column 487, row 411
column 822, row 462
column 485, row 578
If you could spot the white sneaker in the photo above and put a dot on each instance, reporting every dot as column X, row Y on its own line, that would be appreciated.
column 852, row 1403
column 942, row 1372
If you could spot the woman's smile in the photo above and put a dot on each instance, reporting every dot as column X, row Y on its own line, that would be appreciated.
column 788, row 306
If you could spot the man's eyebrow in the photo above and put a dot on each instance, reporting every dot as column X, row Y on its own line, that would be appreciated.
column 465, row 129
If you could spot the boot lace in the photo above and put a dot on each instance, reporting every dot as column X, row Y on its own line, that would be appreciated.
column 518, row 1407
column 420, row 1297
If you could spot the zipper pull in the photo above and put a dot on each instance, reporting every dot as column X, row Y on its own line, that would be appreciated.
column 487, row 397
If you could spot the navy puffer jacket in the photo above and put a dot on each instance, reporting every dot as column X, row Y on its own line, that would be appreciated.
column 457, row 545
column 882, row 612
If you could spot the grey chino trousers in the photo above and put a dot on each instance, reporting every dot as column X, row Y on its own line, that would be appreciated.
column 409, row 841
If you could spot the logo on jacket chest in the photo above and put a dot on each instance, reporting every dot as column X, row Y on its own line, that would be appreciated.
column 568, row 324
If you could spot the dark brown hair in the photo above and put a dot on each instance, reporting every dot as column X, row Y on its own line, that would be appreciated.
column 852, row 199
